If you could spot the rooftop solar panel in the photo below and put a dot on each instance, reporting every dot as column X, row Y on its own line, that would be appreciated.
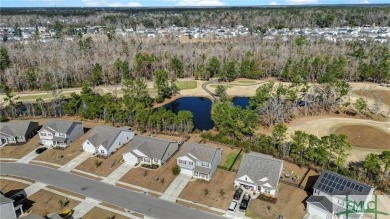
column 329, row 183
column 338, row 186
column 356, row 187
column 352, row 185
column 319, row 185
column 325, row 175
column 332, row 178
column 327, row 189
column 344, row 182
column 323, row 180
column 341, row 188
column 323, row 187
column 326, row 181
column 348, row 183
column 333, row 185
column 330, row 190
column 360, row 189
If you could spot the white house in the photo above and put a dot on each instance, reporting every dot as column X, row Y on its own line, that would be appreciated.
column 199, row 160
column 60, row 133
column 259, row 172
column 330, row 192
column 17, row 132
column 149, row 150
column 104, row 140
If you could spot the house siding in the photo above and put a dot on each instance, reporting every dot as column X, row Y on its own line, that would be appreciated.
column 77, row 132
column 88, row 147
column 216, row 161
column 7, row 210
column 130, row 158
column 121, row 139
column 314, row 210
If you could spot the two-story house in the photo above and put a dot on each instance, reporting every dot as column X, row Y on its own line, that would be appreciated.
column 198, row 160
column 17, row 132
column 104, row 140
column 330, row 193
column 60, row 133
column 149, row 150
column 259, row 173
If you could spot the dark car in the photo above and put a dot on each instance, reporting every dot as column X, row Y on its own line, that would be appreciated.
column 245, row 202
column 40, row 150
column 237, row 194
column 18, row 198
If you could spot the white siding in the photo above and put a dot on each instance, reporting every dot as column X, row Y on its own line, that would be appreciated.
column 88, row 147
column 187, row 164
column 130, row 158
column 320, row 213
column 102, row 150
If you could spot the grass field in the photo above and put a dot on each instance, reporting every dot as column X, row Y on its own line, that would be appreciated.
column 364, row 136
column 226, row 86
column 230, row 160
column 384, row 95
column 184, row 85
column 246, row 81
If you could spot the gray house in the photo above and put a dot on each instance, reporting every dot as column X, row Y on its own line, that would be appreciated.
column 17, row 132
column 8, row 209
column 330, row 192
column 199, row 160
column 259, row 172
column 60, row 133
column 149, row 150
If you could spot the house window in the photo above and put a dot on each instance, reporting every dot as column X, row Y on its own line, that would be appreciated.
column 102, row 151
column 87, row 142
column 155, row 160
column 182, row 161
column 49, row 134
column 246, row 178
column 119, row 143
column 266, row 190
column 190, row 163
column 43, row 134
column 204, row 164
column 146, row 159
column 61, row 134
column 196, row 173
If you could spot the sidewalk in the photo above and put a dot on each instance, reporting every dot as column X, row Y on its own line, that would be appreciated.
column 118, row 173
column 176, row 187
column 28, row 157
column 76, row 161
column 84, row 207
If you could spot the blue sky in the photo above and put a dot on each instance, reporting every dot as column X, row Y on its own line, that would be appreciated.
column 148, row 3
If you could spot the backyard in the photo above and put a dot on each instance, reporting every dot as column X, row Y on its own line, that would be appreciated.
column 229, row 154
column 156, row 180
column 218, row 192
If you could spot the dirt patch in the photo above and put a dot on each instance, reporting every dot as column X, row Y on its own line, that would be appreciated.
column 101, row 213
column 290, row 204
column 292, row 172
column 157, row 180
column 222, row 180
column 19, row 151
column 86, row 175
column 10, row 187
column 310, row 179
column 364, row 136
column 383, row 95
column 106, row 166
column 197, row 207
column 45, row 202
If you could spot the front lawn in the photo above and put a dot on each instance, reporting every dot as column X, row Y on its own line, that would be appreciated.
column 184, row 85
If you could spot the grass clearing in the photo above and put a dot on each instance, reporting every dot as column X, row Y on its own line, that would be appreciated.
column 230, row 159
column 383, row 95
column 224, row 85
column 184, row 85
column 246, row 81
column 364, row 136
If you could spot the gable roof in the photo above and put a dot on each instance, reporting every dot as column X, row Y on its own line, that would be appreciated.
column 335, row 184
column 61, row 126
column 152, row 147
column 200, row 152
column 15, row 128
column 4, row 200
column 259, row 166
column 321, row 202
column 105, row 136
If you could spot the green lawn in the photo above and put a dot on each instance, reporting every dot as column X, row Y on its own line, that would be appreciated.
column 246, row 81
column 230, row 159
column 36, row 96
column 238, row 161
column 226, row 86
column 184, row 85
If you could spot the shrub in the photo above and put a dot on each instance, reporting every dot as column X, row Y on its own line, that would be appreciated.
column 4, row 119
column 98, row 163
column 159, row 99
column 153, row 166
column 267, row 198
column 206, row 191
column 162, row 180
column 222, row 192
column 176, row 170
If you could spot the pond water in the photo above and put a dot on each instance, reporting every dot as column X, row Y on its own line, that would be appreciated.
column 201, row 109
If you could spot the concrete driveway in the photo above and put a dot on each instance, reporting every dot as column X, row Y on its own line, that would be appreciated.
column 176, row 187
column 76, row 161
column 104, row 192
column 28, row 157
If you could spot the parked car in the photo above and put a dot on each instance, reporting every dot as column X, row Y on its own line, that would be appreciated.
column 40, row 150
column 232, row 207
column 18, row 198
column 245, row 202
column 237, row 194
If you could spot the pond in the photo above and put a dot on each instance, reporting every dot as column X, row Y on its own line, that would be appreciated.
column 201, row 109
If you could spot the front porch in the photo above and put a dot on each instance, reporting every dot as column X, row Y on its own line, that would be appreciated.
column 200, row 175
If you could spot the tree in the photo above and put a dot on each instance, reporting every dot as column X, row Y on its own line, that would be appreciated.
column 279, row 135
column 176, row 170
column 338, row 147
column 220, row 91
column 4, row 59
column 177, row 66
column 96, row 77
column 162, row 84
column 184, row 121
column 372, row 164
column 228, row 72
column 214, row 66
column 385, row 158
column 361, row 105
column 299, row 144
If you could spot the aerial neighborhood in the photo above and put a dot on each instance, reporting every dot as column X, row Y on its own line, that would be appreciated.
column 120, row 109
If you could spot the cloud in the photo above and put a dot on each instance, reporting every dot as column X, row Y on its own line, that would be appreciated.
column 200, row 3
column 104, row 3
column 273, row 3
column 365, row 2
column 301, row 2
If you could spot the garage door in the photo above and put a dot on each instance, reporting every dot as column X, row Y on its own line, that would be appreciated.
column 186, row 172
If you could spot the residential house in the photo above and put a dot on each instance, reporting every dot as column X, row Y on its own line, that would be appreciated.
column 8, row 208
column 17, row 132
column 150, row 150
column 104, row 140
column 199, row 160
column 60, row 133
column 259, row 172
column 330, row 192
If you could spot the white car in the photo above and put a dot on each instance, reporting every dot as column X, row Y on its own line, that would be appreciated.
column 232, row 207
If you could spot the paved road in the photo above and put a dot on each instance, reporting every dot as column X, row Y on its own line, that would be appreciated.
column 145, row 204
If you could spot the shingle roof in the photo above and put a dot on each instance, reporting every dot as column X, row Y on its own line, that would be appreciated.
column 4, row 199
column 335, row 184
column 61, row 126
column 104, row 135
column 259, row 166
column 321, row 202
column 151, row 147
column 15, row 128
column 201, row 152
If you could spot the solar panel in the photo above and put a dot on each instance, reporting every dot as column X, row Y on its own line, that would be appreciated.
column 333, row 185
column 332, row 178
column 360, row 188
column 323, row 187
column 323, row 180
column 329, row 183
column 326, row 182
column 330, row 190
column 338, row 186
column 352, row 185
column 340, row 180
column 344, row 182
column 356, row 187
column 348, row 183
column 341, row 188
column 327, row 189
column 319, row 185
column 325, row 175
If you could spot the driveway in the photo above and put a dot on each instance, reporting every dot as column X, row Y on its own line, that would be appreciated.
column 28, row 157
column 76, row 161
column 104, row 192
column 176, row 187
column 118, row 173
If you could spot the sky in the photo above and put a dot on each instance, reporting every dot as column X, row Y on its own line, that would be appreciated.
column 169, row 3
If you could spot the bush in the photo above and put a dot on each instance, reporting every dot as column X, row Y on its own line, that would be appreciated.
column 222, row 192
column 4, row 119
column 98, row 163
column 206, row 191
column 176, row 170
column 159, row 99
column 153, row 166
column 267, row 198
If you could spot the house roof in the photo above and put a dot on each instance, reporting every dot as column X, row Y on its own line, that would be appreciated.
column 4, row 200
column 15, row 128
column 105, row 136
column 152, row 147
column 61, row 126
column 200, row 152
column 261, row 167
column 335, row 184
column 321, row 202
